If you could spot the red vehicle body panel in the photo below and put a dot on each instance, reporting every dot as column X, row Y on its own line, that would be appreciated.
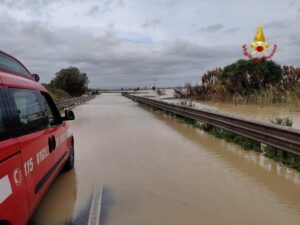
column 27, row 167
column 15, row 208
column 9, row 80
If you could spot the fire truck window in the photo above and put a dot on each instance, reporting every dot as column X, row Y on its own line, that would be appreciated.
column 1, row 121
column 3, row 131
column 52, row 111
column 31, row 116
column 8, row 63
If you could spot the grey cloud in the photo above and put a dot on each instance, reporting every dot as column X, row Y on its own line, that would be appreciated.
column 191, row 50
column 232, row 30
column 172, row 3
column 294, row 40
column 198, row 11
column 212, row 28
column 25, row 4
column 152, row 23
column 108, row 61
column 278, row 24
column 120, row 3
column 291, row 4
column 36, row 6
column 104, row 7
column 110, row 26
column 94, row 10
column 111, row 61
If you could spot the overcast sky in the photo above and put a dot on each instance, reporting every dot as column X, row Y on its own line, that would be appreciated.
column 129, row 43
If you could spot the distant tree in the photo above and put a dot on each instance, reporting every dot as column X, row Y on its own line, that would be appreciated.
column 71, row 80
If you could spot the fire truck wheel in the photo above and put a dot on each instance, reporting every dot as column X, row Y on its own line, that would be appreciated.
column 70, row 161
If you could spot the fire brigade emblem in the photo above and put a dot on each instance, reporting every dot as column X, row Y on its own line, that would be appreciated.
column 18, row 176
column 259, row 47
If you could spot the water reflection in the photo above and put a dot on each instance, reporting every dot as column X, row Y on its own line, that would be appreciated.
column 58, row 205
column 277, row 178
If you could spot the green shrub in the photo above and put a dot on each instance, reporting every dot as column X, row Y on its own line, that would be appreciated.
column 246, row 76
column 56, row 93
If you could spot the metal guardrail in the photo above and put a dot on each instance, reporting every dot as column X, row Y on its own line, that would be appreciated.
column 75, row 101
column 281, row 137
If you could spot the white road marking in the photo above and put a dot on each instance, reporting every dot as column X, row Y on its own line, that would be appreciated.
column 95, row 210
column 5, row 189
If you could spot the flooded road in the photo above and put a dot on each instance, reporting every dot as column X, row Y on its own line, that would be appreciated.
column 158, row 170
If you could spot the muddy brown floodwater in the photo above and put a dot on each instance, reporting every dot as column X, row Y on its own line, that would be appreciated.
column 158, row 170
column 259, row 112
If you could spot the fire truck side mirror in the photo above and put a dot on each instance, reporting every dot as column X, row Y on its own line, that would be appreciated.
column 36, row 77
column 69, row 115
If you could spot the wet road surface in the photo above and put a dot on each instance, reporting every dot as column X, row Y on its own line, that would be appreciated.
column 158, row 170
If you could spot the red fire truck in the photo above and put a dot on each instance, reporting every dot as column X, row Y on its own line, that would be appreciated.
column 36, row 142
